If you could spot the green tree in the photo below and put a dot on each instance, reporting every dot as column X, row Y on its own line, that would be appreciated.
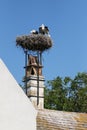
column 67, row 94
column 55, row 94
column 79, row 93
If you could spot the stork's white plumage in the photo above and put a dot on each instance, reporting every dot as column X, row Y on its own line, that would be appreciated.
column 34, row 32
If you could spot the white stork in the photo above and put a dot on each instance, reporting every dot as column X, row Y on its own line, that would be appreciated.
column 43, row 29
column 34, row 32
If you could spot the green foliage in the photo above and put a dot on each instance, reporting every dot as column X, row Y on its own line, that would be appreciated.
column 67, row 94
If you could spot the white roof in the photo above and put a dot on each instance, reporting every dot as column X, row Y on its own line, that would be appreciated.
column 16, row 110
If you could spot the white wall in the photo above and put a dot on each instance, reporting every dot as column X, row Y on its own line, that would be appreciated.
column 16, row 110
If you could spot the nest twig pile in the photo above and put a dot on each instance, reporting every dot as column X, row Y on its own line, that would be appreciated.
column 34, row 42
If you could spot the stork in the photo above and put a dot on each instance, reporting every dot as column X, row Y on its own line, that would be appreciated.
column 43, row 29
column 34, row 32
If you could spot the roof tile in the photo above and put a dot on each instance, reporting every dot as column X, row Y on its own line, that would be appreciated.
column 60, row 120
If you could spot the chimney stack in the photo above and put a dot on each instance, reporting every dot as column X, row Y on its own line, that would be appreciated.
column 35, row 81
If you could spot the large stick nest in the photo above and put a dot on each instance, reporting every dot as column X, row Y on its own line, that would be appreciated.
column 34, row 42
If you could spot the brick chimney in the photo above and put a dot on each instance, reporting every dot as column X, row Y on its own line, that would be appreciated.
column 35, row 82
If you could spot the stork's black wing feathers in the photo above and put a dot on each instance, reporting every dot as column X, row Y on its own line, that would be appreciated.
column 46, row 28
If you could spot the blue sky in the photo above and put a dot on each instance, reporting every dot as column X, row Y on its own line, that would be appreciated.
column 67, row 21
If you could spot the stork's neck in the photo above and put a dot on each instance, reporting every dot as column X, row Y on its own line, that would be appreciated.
column 42, row 26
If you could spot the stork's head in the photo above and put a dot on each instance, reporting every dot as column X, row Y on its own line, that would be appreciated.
column 33, row 32
column 42, row 26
